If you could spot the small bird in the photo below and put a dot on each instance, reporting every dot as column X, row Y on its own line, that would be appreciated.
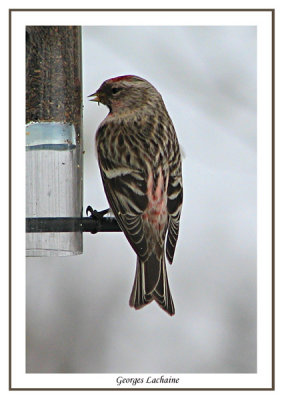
column 140, row 163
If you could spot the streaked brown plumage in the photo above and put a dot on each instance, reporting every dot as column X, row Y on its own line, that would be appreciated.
column 140, row 164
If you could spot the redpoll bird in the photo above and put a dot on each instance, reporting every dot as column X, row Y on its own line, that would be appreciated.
column 140, row 164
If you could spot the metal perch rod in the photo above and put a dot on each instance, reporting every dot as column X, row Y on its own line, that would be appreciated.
column 86, row 224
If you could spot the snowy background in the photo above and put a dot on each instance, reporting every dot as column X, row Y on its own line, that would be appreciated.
column 78, row 318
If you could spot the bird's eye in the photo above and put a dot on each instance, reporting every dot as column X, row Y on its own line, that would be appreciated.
column 115, row 90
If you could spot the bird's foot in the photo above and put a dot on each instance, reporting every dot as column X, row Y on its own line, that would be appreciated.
column 96, row 215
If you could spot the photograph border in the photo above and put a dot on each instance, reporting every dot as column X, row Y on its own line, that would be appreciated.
column 272, row 11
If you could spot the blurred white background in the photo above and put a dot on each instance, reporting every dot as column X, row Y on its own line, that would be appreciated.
column 78, row 318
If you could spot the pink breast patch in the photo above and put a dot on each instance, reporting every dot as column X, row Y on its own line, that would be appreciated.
column 156, row 212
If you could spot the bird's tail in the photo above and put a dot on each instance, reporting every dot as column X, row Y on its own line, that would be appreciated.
column 151, row 283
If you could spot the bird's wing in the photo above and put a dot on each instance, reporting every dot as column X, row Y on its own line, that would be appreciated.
column 174, row 204
column 126, row 191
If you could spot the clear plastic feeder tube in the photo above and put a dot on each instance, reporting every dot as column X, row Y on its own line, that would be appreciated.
column 53, row 135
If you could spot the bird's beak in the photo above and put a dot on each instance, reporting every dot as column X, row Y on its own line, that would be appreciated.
column 95, row 97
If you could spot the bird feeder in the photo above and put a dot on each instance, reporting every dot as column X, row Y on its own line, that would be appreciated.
column 53, row 137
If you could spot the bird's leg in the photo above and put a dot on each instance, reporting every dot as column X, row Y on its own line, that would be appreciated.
column 96, row 215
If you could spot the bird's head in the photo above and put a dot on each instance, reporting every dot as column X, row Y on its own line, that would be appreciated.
column 126, row 93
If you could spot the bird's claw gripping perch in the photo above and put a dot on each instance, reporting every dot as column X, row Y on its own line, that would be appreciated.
column 97, row 216
column 95, row 213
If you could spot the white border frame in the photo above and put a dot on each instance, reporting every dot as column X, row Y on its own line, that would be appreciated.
column 263, row 20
